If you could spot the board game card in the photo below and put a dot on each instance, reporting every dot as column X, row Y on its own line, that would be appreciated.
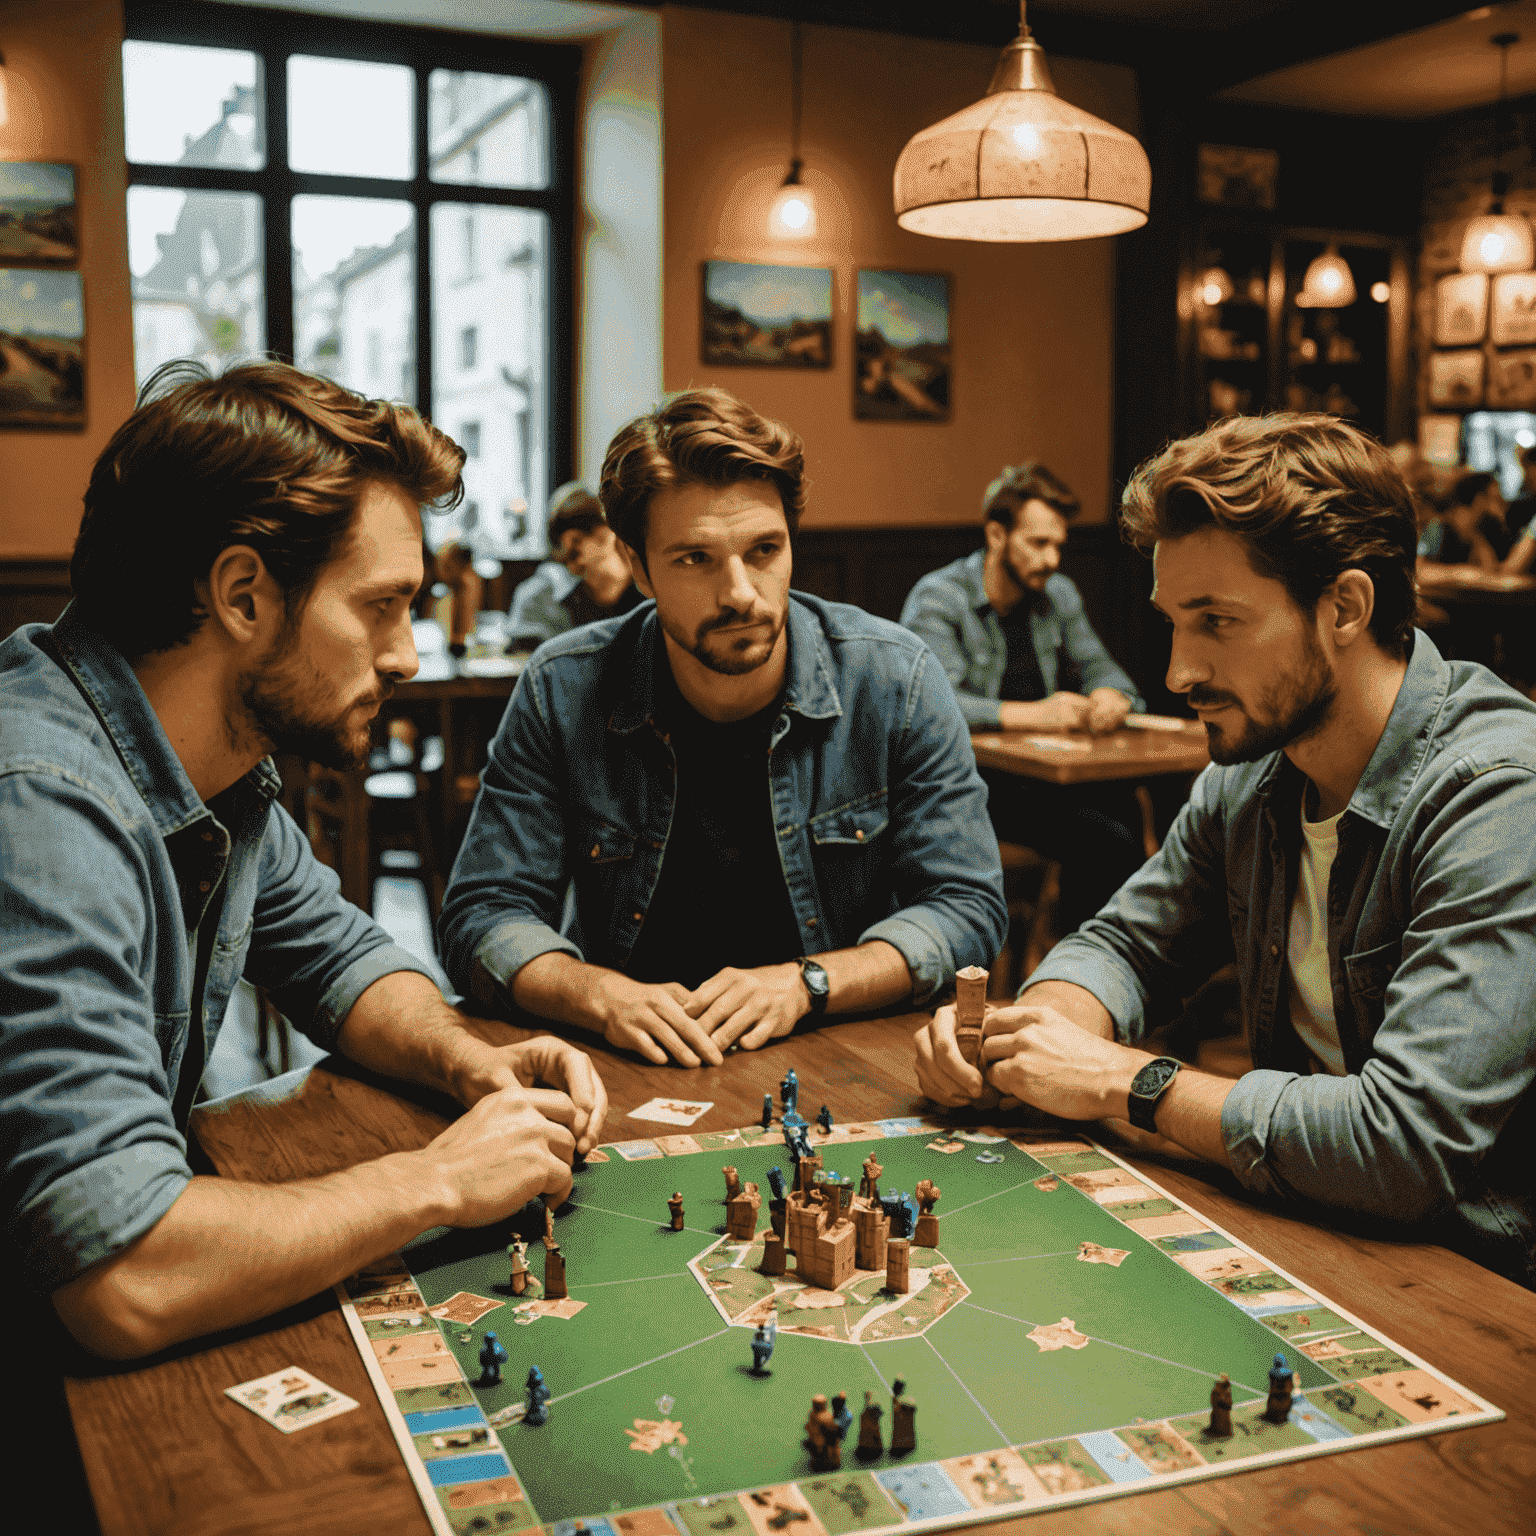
column 672, row 1111
column 291, row 1399
column 465, row 1307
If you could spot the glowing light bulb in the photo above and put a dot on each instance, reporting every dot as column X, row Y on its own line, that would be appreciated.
column 793, row 215
column 1027, row 137
column 1491, row 246
column 794, row 212
column 1381, row 292
column 1211, row 293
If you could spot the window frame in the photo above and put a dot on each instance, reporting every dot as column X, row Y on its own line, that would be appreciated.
column 274, row 36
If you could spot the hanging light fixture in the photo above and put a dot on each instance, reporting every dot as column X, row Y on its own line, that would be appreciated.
column 793, row 214
column 1497, row 241
column 1329, row 284
column 5, row 107
column 1022, row 164
column 1214, row 286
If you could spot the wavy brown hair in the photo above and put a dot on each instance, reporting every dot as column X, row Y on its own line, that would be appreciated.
column 1018, row 483
column 698, row 437
column 265, row 456
column 1310, row 496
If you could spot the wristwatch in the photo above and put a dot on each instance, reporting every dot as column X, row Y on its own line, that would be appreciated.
column 817, row 983
column 1147, row 1087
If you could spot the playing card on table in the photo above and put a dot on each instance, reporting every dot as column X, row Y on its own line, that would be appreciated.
column 291, row 1399
column 672, row 1111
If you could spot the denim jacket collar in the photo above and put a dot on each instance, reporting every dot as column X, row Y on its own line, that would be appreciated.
column 1399, row 753
column 812, row 687
column 1035, row 603
column 108, row 682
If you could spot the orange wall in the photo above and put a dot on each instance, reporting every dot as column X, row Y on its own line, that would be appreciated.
column 64, row 85
column 1031, row 326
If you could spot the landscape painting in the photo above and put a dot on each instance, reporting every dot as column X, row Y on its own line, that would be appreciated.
column 773, row 317
column 42, row 337
column 902, row 347
column 37, row 213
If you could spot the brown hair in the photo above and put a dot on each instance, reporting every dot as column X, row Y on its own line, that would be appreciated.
column 1001, row 500
column 573, row 506
column 1310, row 496
column 698, row 437
column 265, row 456
column 1470, row 487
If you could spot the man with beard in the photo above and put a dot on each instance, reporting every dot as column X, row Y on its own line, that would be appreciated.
column 242, row 582
column 1361, row 847
column 766, row 804
column 1010, row 632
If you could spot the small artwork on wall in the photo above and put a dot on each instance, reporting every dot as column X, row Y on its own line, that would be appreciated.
column 1512, row 320
column 42, row 340
column 1512, row 381
column 901, row 348
column 1231, row 176
column 767, row 317
column 1456, row 380
column 1461, row 309
column 37, row 213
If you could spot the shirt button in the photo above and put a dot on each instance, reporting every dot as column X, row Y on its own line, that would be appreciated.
column 207, row 837
column 810, row 922
column 1274, row 949
column 203, row 885
column 639, row 916
column 597, row 848
column 858, row 836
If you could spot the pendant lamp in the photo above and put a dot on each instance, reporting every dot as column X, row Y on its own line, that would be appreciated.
column 1022, row 164
column 793, row 214
column 1497, row 241
column 5, row 107
column 1329, row 284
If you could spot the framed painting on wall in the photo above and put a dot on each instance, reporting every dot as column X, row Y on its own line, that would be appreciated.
column 766, row 317
column 1232, row 176
column 42, row 344
column 901, row 346
column 37, row 213
column 1512, row 319
column 1461, row 309
column 1456, row 380
column 1512, row 381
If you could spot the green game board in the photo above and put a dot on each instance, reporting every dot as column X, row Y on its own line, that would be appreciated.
column 1060, row 1342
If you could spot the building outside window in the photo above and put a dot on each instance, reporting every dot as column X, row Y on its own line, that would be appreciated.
column 408, row 236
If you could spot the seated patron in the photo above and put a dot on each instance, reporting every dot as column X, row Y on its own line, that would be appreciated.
column 242, row 582
column 585, row 579
column 1010, row 632
column 1473, row 530
column 1360, row 847
column 766, row 804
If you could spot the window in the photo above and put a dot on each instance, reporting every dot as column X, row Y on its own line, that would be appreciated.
column 407, row 232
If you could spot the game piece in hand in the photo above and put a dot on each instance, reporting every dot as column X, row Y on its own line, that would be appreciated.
column 1221, row 1408
column 970, row 1012
column 789, row 1092
column 492, row 1358
column 824, row 1120
column 554, row 1273
column 675, row 1206
column 841, row 1415
column 517, row 1256
column 762, row 1346
column 732, row 1182
column 1282, row 1379
column 767, row 1110
column 903, row 1425
column 870, row 1443
column 538, row 1397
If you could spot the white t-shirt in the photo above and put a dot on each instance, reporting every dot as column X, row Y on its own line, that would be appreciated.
column 1307, row 950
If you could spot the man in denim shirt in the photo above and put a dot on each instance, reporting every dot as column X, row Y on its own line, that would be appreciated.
column 242, row 585
column 1010, row 632
column 767, row 805
column 1361, row 847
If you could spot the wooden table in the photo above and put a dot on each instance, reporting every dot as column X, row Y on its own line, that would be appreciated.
column 165, row 1450
column 1469, row 584
column 1075, row 757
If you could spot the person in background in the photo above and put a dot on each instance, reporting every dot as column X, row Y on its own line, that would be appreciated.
column 1518, row 515
column 1475, row 531
column 1011, row 634
column 585, row 579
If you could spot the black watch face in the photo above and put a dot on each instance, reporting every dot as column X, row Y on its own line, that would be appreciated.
column 1153, row 1077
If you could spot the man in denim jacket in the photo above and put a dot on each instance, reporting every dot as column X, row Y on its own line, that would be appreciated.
column 242, row 583
column 1010, row 632
column 1362, row 847
column 766, row 805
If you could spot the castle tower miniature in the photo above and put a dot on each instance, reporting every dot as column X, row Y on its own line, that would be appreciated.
column 1220, row 1425
column 741, row 1215
column 554, row 1272
column 873, row 1229
column 970, row 1012
column 903, row 1426
column 807, row 1169
column 822, row 1239
column 773, row 1254
column 869, row 1185
column 732, row 1183
column 896, row 1252
column 927, row 1234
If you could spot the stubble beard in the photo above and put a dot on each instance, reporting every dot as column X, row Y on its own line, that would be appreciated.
column 1296, row 707
column 730, row 655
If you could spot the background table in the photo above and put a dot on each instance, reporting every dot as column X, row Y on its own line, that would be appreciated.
column 1075, row 757
column 165, row 1450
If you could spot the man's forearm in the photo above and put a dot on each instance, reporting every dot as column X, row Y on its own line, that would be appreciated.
column 560, row 987
column 228, row 1253
column 867, row 976
column 1073, row 1002
column 402, row 1026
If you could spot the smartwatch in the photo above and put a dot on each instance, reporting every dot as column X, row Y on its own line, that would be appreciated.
column 1147, row 1087
column 817, row 984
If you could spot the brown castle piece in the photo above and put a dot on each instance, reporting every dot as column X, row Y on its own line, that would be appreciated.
column 896, row 1252
column 874, row 1228
column 869, row 1185
column 554, row 1272
column 1221, row 1408
column 732, row 1183
column 820, row 1232
column 970, row 1012
column 927, row 1234
column 773, row 1254
column 741, row 1215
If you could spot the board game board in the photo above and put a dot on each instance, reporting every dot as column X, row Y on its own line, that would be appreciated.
column 1061, row 1341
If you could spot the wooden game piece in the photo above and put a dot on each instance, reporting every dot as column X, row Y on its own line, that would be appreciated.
column 927, row 1234
column 869, row 1187
column 970, row 1012
column 1282, row 1380
column 824, row 1121
column 841, row 1415
column 821, row 1436
column 903, row 1426
column 767, row 1110
column 896, row 1256
column 554, row 1272
column 492, row 1358
column 762, row 1348
column 870, row 1444
column 732, row 1182
column 872, row 1231
column 1221, row 1408
column 773, row 1254
column 741, row 1214
column 675, row 1206
column 517, row 1256
column 789, row 1092
column 538, row 1397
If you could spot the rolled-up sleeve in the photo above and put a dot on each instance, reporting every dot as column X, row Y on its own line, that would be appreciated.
column 93, row 1156
column 945, row 868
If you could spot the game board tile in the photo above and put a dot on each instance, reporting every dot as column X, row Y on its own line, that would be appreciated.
column 924, row 1491
column 778, row 1508
column 410, row 1346
column 1114, row 1456
column 1044, row 1148
column 396, row 1304
column 720, row 1516
column 1173, row 1224
column 422, row 1371
column 1417, row 1395
column 1082, row 1160
column 1356, row 1408
column 718, row 1141
column 635, row 1151
column 756, row 1136
column 1162, row 1448
column 1354, row 1356
column 467, row 1469
column 588, row 1525
column 1298, row 1325
column 1314, row 1421
column 1134, row 1210
column 1213, row 1264
column 1189, row 1242
column 995, row 1477
column 450, row 1394
column 504, row 1489
column 644, row 1522
column 498, row 1505
column 1263, row 1292
column 389, row 1275
column 471, row 1439
column 443, row 1418
column 864, row 1130
column 399, row 1327
column 1252, row 1434
column 1109, row 1186
column 902, row 1125
column 1063, row 1466
column 845, row 1502
column 678, row 1146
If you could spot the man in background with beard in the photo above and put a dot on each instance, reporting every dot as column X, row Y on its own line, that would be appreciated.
column 767, row 805
column 242, row 581
column 1361, row 847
